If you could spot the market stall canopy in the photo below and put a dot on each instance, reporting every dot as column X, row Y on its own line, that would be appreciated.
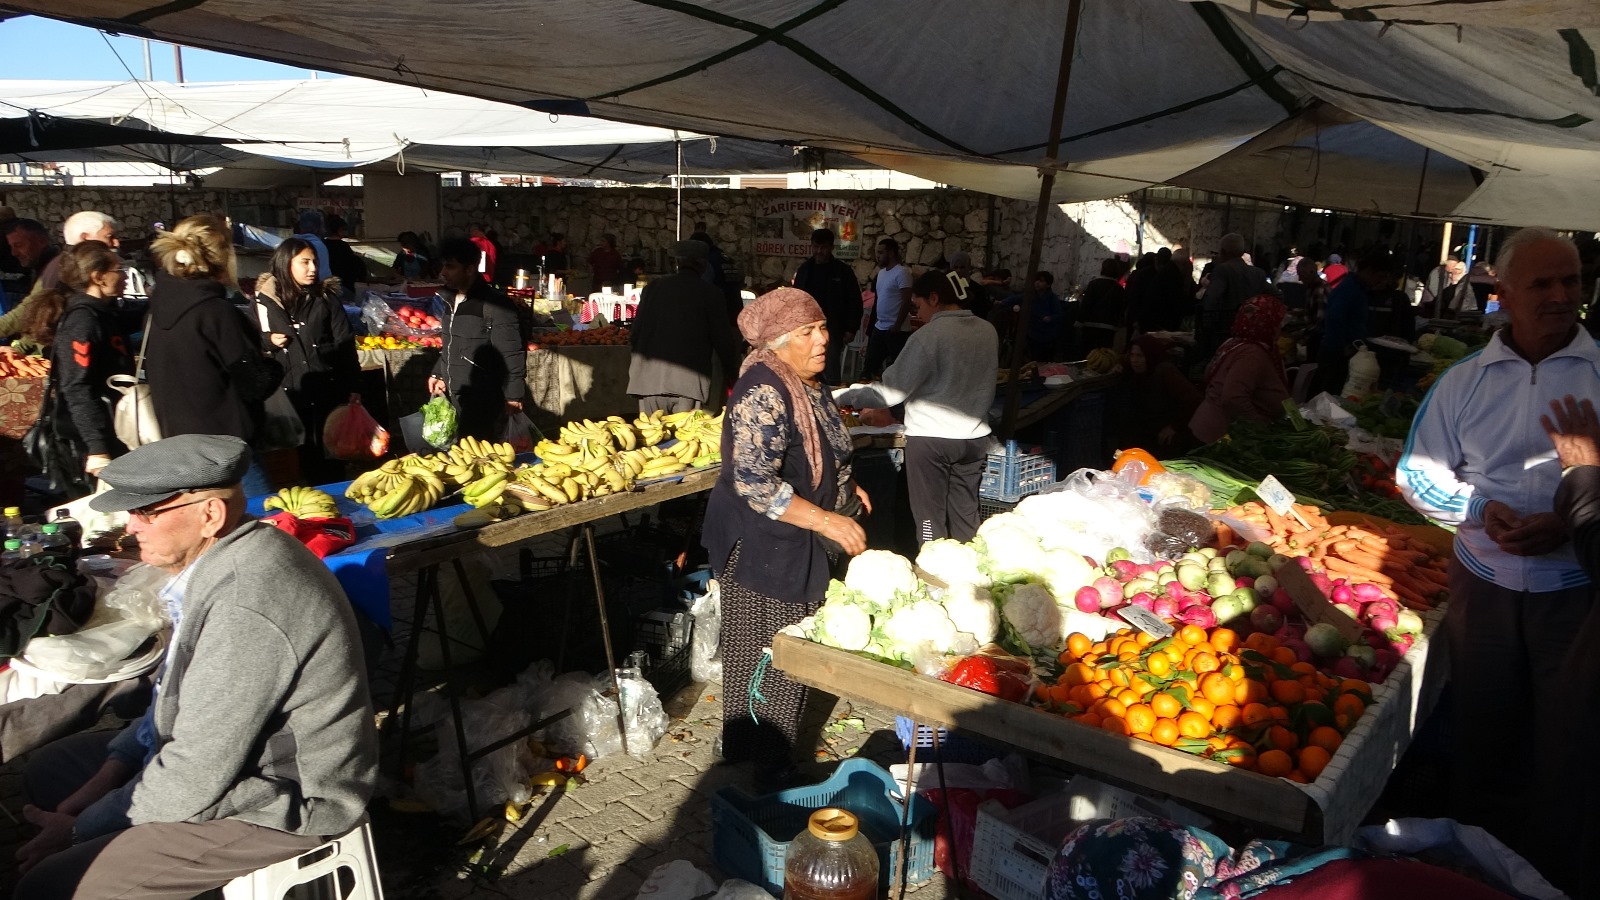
column 345, row 124
column 47, row 134
column 960, row 91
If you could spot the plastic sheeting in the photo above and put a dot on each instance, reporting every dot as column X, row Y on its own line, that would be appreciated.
column 1164, row 91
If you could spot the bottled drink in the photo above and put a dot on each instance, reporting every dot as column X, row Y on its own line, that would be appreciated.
column 52, row 542
column 12, row 552
column 831, row 860
column 12, row 521
column 69, row 526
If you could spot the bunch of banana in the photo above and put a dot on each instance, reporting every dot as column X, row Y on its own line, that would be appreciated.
column 590, row 432
column 399, row 487
column 303, row 503
column 473, row 449
column 652, row 428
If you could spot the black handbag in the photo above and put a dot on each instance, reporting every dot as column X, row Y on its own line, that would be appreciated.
column 59, row 457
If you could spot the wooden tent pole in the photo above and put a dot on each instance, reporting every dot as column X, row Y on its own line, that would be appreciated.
column 1041, row 218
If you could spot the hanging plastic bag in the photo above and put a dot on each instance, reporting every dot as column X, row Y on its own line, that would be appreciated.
column 375, row 312
column 439, row 423
column 705, row 650
column 351, row 433
column 521, row 433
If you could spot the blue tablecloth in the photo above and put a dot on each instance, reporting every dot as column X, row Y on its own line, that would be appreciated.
column 362, row 568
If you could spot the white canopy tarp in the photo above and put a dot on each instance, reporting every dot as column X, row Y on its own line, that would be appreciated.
column 960, row 91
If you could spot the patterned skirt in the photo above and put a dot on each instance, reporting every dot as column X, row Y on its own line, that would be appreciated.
column 749, row 622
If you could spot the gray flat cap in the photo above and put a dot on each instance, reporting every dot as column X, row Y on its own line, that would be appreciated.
column 690, row 250
column 167, row 468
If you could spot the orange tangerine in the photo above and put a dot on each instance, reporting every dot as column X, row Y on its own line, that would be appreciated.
column 1349, row 705
column 1192, row 724
column 1283, row 656
column 1114, row 724
column 1226, row 717
column 1254, row 714
column 1141, row 718
column 1202, row 706
column 1096, row 691
column 1112, row 707
column 1241, row 692
column 1288, row 692
column 1144, row 639
column 1078, row 644
column 1279, row 713
column 1313, row 760
column 1217, row 688
column 1166, row 706
column 1090, row 719
column 1281, row 738
column 1224, row 639
column 1326, row 737
column 1192, row 634
column 1275, row 763
column 1205, row 661
column 1165, row 732
column 1129, row 696
column 1159, row 665
column 1303, row 668
column 1078, row 673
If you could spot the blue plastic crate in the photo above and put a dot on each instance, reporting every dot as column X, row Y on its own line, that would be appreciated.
column 1012, row 475
column 953, row 747
column 750, row 835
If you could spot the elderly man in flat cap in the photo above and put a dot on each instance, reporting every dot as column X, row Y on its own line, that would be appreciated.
column 259, row 742
column 681, row 322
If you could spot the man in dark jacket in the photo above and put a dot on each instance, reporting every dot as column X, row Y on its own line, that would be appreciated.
column 679, row 325
column 99, row 349
column 832, row 283
column 344, row 262
column 483, row 366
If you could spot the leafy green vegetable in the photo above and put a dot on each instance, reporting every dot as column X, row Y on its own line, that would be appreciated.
column 439, row 423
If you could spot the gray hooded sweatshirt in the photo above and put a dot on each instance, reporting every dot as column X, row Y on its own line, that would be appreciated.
column 264, row 714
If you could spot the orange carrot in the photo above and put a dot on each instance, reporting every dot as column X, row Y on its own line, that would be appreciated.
column 1351, row 570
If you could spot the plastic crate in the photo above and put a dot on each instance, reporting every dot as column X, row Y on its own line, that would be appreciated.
column 989, row 508
column 751, row 835
column 953, row 746
column 663, row 637
column 1012, row 475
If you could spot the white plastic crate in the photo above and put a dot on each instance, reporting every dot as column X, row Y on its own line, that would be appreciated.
column 1012, row 475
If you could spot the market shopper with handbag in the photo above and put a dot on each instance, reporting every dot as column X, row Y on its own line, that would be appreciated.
column 303, row 325
column 206, row 370
column 779, row 518
column 945, row 377
column 89, row 347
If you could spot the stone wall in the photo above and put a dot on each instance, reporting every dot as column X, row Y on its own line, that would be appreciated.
column 928, row 224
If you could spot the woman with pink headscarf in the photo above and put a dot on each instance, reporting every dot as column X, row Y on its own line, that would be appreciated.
column 1246, row 379
column 779, row 520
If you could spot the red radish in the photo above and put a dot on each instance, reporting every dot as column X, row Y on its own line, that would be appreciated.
column 1266, row 617
column 1245, row 581
column 1323, row 583
column 1282, row 600
column 1174, row 590
column 1301, row 649
column 1380, row 608
column 1087, row 599
column 1342, row 594
column 1369, row 592
column 1110, row 591
column 1126, row 570
column 1347, row 667
column 1198, row 615
column 1382, row 624
column 1143, row 599
column 1165, row 607
column 1304, row 562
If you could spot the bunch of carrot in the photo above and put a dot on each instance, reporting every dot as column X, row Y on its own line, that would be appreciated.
column 1406, row 570
column 13, row 365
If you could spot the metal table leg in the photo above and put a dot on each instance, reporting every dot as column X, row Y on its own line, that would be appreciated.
column 605, row 631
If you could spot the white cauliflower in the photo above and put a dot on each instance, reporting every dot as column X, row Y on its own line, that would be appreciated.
column 1065, row 571
column 973, row 611
column 913, row 623
column 952, row 562
column 879, row 575
column 842, row 624
column 1008, row 548
column 1032, row 619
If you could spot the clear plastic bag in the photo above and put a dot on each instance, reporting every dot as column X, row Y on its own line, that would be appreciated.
column 439, row 423
column 1092, row 512
column 500, row 777
column 705, row 651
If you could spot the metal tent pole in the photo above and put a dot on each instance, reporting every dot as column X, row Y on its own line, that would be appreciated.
column 1041, row 217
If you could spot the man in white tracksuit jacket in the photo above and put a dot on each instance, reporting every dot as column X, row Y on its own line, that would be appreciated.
column 1478, row 458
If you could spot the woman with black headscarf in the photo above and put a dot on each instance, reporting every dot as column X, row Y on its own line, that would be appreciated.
column 779, row 516
column 1153, row 403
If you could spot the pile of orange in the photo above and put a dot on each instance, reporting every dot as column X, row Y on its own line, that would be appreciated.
column 1250, row 704
column 604, row 336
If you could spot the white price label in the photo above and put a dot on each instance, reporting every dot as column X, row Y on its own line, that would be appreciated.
column 1274, row 494
column 1146, row 621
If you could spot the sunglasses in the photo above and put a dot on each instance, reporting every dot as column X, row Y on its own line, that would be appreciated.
column 148, row 515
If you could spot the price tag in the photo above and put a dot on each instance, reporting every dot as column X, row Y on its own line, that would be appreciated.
column 1274, row 494
column 1146, row 621
column 1313, row 605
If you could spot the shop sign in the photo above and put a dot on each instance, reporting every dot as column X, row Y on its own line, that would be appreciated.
column 783, row 226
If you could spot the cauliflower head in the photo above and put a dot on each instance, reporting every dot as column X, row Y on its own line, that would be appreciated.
column 952, row 562
column 879, row 574
column 1065, row 571
column 973, row 611
column 913, row 623
column 1008, row 548
column 842, row 624
column 1032, row 619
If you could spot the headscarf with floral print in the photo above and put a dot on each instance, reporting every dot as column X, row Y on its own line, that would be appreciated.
column 769, row 317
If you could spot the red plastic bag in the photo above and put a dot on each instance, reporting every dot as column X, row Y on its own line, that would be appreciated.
column 351, row 433
column 324, row 537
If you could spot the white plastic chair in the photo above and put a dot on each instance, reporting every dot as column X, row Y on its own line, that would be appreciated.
column 345, row 868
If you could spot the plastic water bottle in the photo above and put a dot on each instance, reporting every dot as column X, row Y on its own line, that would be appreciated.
column 13, row 551
column 52, row 542
column 1364, row 373
column 69, row 526
column 11, row 519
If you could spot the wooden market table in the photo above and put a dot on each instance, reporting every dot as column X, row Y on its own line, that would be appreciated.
column 564, row 383
column 425, row 552
column 1327, row 811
